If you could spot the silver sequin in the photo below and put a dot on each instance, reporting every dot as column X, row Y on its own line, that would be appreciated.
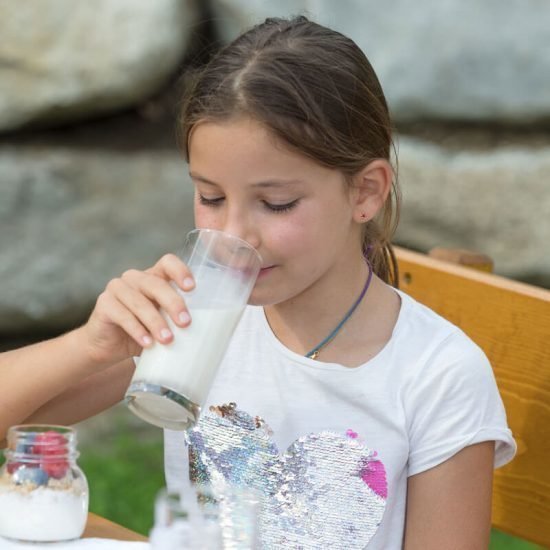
column 326, row 491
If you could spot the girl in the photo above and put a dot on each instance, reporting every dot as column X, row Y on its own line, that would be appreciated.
column 366, row 420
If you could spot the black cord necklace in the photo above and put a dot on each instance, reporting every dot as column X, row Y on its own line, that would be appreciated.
column 314, row 353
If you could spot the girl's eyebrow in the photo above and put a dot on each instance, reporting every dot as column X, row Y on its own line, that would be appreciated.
column 263, row 184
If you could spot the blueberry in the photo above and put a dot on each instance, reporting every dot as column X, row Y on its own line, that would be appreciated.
column 23, row 448
column 26, row 474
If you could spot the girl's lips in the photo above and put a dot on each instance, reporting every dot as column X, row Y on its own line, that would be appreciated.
column 265, row 270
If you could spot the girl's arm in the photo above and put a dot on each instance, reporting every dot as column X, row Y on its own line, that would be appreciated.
column 76, row 375
column 449, row 506
column 56, row 381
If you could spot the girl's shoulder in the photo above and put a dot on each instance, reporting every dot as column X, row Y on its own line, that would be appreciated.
column 448, row 390
column 421, row 316
column 434, row 344
column 425, row 325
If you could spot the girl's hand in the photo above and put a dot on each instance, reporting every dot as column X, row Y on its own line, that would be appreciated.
column 126, row 317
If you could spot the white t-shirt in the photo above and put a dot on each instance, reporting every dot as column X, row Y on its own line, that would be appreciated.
column 333, row 446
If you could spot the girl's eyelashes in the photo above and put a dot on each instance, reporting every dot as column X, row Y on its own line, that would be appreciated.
column 280, row 207
column 210, row 202
column 268, row 205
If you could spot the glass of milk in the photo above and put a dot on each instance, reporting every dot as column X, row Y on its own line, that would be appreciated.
column 171, row 381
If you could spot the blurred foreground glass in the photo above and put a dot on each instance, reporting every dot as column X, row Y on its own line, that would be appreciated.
column 171, row 381
column 231, row 512
column 175, row 524
column 199, row 517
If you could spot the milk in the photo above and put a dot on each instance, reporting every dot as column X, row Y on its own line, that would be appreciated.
column 42, row 514
column 172, row 381
column 188, row 364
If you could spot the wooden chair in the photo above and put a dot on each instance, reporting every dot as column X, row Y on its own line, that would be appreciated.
column 510, row 321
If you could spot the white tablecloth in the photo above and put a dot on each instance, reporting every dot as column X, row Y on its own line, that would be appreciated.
column 80, row 544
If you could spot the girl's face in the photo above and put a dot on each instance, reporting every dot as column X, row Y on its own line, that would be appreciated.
column 296, row 213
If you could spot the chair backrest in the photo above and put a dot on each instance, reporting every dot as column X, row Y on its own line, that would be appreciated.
column 510, row 321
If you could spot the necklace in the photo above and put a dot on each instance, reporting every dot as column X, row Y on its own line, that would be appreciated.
column 314, row 353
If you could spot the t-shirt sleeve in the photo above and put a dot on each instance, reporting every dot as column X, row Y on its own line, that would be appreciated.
column 453, row 402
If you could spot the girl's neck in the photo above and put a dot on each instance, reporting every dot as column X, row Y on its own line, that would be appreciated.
column 331, row 290
column 303, row 321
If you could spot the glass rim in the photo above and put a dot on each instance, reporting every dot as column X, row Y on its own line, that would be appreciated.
column 25, row 434
column 41, row 428
column 245, row 244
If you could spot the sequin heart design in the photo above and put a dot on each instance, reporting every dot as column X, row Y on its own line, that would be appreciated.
column 327, row 490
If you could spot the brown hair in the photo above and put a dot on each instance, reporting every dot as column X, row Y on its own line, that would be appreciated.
column 314, row 89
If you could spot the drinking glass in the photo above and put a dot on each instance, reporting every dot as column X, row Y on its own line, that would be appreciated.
column 171, row 381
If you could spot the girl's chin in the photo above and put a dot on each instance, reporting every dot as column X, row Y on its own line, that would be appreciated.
column 264, row 297
column 261, row 298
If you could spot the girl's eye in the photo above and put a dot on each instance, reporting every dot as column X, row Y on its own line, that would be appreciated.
column 281, row 207
column 210, row 202
column 269, row 206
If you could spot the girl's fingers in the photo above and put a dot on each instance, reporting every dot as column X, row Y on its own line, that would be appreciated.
column 162, row 293
column 143, row 293
column 170, row 267
column 138, row 303
column 123, row 318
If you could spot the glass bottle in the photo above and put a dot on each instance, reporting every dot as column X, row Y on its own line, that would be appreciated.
column 43, row 492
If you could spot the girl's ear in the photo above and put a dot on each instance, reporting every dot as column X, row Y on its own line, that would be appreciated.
column 371, row 187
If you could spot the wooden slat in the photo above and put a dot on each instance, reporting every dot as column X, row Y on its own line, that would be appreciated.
column 510, row 321
column 467, row 258
column 103, row 528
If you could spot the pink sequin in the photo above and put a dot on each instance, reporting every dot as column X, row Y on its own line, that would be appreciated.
column 374, row 475
column 352, row 434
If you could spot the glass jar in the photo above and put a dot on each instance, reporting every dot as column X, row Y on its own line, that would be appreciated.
column 43, row 492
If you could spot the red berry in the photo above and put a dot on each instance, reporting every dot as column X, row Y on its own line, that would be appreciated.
column 49, row 443
column 12, row 467
column 57, row 470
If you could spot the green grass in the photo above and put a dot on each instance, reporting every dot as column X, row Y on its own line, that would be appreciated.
column 501, row 541
column 126, row 471
column 124, row 478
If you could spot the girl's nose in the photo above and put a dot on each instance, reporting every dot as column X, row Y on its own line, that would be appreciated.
column 244, row 230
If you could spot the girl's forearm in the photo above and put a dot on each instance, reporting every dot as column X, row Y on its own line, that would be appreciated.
column 33, row 375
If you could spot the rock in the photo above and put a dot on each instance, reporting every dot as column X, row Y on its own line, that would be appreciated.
column 72, row 220
column 63, row 60
column 451, row 60
column 494, row 201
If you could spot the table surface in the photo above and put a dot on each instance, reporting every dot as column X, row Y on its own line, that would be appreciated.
column 104, row 529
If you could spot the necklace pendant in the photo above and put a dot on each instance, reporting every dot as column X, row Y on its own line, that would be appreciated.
column 315, row 352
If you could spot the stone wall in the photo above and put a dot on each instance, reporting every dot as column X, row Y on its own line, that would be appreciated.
column 91, row 181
